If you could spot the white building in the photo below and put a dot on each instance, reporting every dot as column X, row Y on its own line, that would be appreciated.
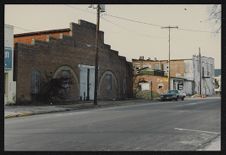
column 9, row 84
column 207, row 75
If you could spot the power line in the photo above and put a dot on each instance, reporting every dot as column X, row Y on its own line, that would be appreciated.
column 129, row 30
column 156, row 25
column 132, row 20
column 79, row 9
column 141, row 22
column 196, row 30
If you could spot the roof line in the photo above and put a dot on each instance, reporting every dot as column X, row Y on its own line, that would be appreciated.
column 42, row 32
column 159, row 60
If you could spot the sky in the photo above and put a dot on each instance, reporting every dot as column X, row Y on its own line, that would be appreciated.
column 133, row 30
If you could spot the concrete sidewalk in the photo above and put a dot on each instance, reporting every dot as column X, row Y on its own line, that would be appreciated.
column 214, row 145
column 11, row 111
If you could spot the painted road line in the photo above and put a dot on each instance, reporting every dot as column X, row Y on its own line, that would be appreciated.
column 181, row 129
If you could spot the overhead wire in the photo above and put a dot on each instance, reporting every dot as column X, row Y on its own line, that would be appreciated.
column 141, row 22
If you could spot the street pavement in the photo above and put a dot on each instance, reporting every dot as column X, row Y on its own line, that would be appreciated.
column 193, row 124
column 11, row 111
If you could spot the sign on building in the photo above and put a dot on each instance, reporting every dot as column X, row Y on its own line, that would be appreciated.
column 145, row 86
column 8, row 58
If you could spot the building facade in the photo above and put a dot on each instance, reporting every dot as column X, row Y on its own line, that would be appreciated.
column 69, row 54
column 9, row 83
column 204, row 81
column 184, row 75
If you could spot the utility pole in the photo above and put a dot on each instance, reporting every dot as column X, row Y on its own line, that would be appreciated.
column 200, row 68
column 100, row 8
column 97, row 50
column 169, row 27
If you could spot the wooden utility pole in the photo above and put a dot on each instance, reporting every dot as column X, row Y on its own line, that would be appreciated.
column 169, row 27
column 97, row 50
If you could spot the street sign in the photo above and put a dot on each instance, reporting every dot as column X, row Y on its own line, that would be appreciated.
column 8, row 58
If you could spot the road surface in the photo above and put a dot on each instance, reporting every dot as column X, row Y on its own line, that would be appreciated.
column 154, row 126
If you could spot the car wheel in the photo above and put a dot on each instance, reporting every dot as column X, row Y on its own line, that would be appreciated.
column 182, row 98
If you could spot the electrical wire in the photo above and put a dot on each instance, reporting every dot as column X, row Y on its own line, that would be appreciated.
column 141, row 22
column 134, row 31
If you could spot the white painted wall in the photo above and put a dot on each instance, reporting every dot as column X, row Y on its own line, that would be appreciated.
column 207, row 83
column 10, row 85
column 83, row 81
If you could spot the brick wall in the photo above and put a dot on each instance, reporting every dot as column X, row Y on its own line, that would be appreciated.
column 156, row 82
column 77, row 48
column 177, row 67
column 27, row 38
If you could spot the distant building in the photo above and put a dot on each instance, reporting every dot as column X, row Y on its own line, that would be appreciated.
column 69, row 54
column 207, row 75
column 185, row 75
column 9, row 83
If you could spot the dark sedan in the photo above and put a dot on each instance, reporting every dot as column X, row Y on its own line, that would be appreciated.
column 172, row 95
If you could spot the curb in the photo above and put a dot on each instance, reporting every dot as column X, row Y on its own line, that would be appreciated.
column 19, row 115
column 72, row 109
column 208, row 145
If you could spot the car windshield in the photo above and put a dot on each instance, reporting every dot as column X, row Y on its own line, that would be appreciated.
column 172, row 91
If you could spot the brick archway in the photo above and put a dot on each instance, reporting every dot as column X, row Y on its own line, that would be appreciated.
column 108, row 86
column 72, row 90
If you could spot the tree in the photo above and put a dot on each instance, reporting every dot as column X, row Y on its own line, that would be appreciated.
column 215, row 16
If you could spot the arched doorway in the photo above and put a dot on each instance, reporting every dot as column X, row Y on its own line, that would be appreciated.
column 108, row 86
column 69, row 83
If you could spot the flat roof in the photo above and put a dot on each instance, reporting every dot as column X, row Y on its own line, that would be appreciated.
column 159, row 60
column 42, row 32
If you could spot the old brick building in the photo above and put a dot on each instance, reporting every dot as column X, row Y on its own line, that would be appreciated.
column 70, row 54
column 184, row 75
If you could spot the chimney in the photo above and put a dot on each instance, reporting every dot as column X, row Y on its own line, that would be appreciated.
column 141, row 58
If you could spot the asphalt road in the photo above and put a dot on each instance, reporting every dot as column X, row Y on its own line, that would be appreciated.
column 182, row 125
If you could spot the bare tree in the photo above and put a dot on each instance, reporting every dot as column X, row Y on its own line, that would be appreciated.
column 215, row 16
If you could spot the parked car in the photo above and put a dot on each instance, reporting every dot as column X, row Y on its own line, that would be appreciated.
column 173, row 95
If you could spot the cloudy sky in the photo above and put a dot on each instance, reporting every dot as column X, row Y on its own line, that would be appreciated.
column 133, row 30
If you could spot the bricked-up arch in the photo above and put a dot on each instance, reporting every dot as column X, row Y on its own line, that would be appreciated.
column 108, row 86
column 71, row 87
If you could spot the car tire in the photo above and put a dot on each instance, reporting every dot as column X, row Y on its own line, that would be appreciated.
column 182, row 98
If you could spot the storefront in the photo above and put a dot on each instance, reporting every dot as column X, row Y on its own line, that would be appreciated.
column 9, row 84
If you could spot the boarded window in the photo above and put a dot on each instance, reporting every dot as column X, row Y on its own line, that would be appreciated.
column 35, row 82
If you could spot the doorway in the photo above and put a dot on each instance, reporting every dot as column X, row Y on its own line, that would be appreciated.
column 87, row 81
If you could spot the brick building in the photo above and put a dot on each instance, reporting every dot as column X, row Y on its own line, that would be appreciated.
column 178, row 74
column 70, row 54
column 184, row 74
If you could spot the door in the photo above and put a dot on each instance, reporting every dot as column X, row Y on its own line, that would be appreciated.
column 87, row 80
